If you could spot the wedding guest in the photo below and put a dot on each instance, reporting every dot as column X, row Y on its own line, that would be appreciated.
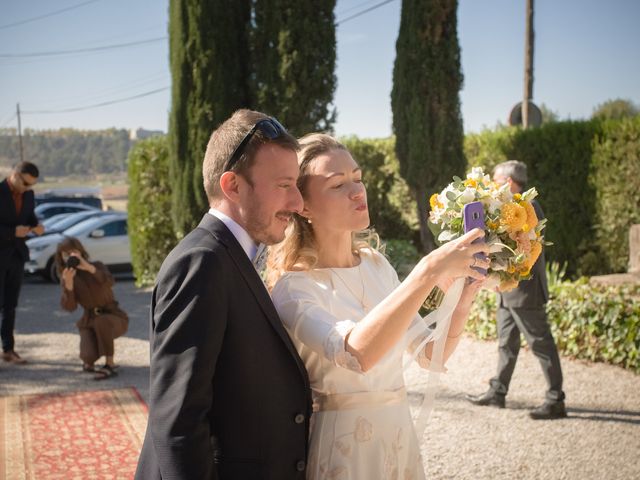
column 17, row 220
column 523, row 310
column 89, row 284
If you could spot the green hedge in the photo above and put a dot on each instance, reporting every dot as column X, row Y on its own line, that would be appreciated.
column 615, row 174
column 149, row 206
column 600, row 324
column 587, row 173
column 391, row 206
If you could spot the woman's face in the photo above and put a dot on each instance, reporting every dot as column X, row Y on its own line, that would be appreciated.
column 65, row 254
column 335, row 197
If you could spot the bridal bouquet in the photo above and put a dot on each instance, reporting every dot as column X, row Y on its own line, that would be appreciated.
column 512, row 229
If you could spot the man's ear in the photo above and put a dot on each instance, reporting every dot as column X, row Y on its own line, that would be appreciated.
column 230, row 186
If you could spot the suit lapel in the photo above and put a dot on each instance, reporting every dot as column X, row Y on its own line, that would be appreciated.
column 217, row 228
column 6, row 192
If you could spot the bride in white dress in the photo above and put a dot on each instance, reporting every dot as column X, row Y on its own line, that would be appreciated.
column 349, row 317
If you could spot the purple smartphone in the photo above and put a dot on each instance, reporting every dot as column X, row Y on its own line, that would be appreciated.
column 473, row 217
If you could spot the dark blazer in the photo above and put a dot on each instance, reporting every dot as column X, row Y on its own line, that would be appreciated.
column 532, row 293
column 229, row 396
column 9, row 220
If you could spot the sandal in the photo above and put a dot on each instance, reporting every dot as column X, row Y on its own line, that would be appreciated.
column 88, row 368
column 105, row 372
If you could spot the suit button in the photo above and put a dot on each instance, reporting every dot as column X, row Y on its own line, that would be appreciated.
column 300, row 466
column 299, row 418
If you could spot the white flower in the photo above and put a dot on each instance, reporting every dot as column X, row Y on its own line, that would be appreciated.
column 468, row 196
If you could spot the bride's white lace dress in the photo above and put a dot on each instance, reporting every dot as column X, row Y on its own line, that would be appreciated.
column 362, row 427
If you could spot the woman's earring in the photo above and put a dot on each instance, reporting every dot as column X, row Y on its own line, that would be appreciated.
column 308, row 220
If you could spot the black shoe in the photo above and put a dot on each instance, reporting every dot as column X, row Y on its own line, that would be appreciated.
column 549, row 411
column 489, row 398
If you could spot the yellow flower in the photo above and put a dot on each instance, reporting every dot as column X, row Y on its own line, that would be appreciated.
column 511, row 269
column 517, row 196
column 470, row 182
column 532, row 218
column 508, row 285
column 433, row 201
column 513, row 217
column 492, row 225
column 536, row 250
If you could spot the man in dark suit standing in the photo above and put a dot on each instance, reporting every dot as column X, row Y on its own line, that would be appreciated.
column 17, row 219
column 523, row 310
column 229, row 396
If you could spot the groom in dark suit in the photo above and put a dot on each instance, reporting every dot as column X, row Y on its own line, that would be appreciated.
column 229, row 396
column 523, row 310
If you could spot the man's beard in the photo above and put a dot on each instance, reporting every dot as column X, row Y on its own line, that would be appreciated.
column 258, row 225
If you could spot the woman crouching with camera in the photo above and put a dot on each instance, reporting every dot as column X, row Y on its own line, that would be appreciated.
column 89, row 284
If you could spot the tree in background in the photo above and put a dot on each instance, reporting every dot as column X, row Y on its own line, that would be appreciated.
column 209, row 58
column 548, row 115
column 425, row 101
column 616, row 109
column 293, row 57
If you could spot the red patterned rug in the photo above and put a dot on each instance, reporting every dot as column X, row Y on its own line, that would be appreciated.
column 79, row 435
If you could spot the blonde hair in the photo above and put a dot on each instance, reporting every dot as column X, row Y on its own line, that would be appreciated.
column 298, row 250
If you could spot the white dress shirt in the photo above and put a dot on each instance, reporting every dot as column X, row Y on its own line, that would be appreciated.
column 246, row 242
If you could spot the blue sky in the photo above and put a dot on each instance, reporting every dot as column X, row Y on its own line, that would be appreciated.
column 586, row 52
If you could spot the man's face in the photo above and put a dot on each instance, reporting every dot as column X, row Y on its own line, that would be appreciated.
column 502, row 179
column 22, row 181
column 267, row 205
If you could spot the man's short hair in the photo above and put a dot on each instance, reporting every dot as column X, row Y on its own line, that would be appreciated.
column 27, row 168
column 514, row 169
column 224, row 141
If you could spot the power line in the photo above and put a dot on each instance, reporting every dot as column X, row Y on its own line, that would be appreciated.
column 96, row 105
column 354, row 7
column 46, row 15
column 356, row 15
column 82, row 50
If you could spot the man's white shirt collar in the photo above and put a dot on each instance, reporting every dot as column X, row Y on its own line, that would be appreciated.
column 246, row 242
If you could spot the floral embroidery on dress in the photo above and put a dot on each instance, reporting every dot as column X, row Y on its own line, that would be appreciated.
column 343, row 448
column 363, row 431
column 335, row 347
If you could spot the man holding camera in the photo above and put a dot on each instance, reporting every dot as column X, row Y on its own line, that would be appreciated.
column 17, row 220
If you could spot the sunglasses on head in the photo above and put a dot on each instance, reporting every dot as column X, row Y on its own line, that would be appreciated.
column 270, row 127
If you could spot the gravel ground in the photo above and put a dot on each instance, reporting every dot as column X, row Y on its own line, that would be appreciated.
column 599, row 440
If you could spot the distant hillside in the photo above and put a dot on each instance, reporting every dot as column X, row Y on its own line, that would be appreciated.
column 68, row 151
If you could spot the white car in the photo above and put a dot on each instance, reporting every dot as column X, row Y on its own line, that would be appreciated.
column 49, row 209
column 104, row 237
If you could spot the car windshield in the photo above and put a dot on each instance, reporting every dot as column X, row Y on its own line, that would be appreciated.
column 83, row 227
column 71, row 220
column 49, row 222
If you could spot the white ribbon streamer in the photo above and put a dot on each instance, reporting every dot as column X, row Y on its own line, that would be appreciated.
column 441, row 318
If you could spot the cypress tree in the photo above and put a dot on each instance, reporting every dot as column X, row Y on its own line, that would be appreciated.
column 425, row 101
column 293, row 57
column 209, row 58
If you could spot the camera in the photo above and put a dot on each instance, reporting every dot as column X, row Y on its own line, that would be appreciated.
column 72, row 262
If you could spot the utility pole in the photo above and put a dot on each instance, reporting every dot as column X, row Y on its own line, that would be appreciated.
column 20, row 132
column 528, row 65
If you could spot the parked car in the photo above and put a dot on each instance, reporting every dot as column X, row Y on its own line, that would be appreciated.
column 46, row 210
column 59, row 223
column 104, row 237
column 85, row 195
